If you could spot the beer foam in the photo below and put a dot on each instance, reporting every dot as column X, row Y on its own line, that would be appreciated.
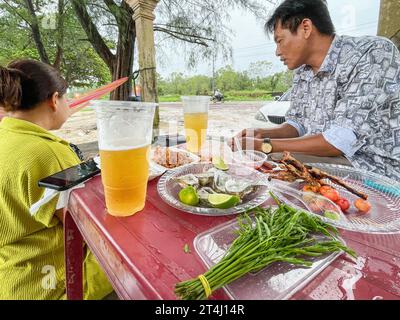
column 123, row 144
column 123, row 148
column 195, row 108
column 195, row 104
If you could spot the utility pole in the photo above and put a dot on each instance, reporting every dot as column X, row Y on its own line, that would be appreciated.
column 214, row 55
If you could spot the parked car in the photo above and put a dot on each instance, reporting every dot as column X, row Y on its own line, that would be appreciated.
column 274, row 112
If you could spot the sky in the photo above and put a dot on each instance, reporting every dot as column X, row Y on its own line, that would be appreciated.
column 251, row 44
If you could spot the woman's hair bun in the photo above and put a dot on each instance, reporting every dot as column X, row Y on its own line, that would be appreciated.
column 26, row 83
column 10, row 88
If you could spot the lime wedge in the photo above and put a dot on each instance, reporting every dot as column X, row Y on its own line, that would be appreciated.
column 189, row 196
column 219, row 163
column 223, row 201
column 332, row 215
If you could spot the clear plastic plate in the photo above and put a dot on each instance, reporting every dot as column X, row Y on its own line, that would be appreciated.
column 383, row 195
column 168, row 188
column 194, row 158
column 278, row 281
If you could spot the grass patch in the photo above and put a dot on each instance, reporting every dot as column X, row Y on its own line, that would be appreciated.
column 170, row 98
column 248, row 95
column 229, row 96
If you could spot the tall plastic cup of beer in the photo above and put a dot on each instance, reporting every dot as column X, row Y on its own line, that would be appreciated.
column 124, row 134
column 195, row 114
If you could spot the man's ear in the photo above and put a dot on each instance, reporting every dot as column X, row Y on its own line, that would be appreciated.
column 53, row 101
column 307, row 27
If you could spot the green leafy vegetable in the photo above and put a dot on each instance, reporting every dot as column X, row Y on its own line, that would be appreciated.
column 186, row 248
column 283, row 234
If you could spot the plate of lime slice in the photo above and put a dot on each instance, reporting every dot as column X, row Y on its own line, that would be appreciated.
column 213, row 189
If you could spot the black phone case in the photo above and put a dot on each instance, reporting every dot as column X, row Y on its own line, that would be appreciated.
column 57, row 183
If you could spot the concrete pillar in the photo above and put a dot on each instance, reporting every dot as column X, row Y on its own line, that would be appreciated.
column 389, row 21
column 144, row 17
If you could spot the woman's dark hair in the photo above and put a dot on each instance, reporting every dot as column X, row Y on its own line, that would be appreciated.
column 292, row 12
column 26, row 83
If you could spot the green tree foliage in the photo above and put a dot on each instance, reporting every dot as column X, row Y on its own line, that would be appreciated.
column 79, row 63
column 258, row 71
column 178, row 84
column 278, row 82
column 227, row 80
column 88, row 41
column 193, row 27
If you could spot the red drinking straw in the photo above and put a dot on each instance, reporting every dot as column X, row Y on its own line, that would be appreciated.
column 99, row 92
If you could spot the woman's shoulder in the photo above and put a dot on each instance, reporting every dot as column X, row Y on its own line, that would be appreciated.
column 25, row 145
column 51, row 150
column 28, row 149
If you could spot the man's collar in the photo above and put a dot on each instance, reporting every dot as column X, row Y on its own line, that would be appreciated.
column 331, row 59
column 305, row 72
column 328, row 65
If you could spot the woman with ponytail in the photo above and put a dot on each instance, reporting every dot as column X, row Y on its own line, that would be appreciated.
column 32, row 94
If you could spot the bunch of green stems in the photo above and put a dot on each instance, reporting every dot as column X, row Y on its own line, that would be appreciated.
column 265, row 236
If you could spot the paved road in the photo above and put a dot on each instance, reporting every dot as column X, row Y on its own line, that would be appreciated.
column 225, row 119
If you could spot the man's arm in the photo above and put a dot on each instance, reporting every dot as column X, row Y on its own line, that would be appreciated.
column 314, row 145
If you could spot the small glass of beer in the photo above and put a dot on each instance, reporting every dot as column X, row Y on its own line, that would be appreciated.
column 195, row 114
column 124, row 134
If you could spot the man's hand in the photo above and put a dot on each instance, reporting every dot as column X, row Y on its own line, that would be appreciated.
column 253, row 133
column 246, row 137
column 283, row 131
column 247, row 144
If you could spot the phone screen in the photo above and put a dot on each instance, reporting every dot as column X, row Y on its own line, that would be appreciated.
column 70, row 177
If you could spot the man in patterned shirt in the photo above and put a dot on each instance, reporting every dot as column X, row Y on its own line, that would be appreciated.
column 345, row 94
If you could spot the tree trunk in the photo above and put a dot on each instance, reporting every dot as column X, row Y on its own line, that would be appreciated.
column 93, row 34
column 389, row 22
column 34, row 24
column 120, row 64
column 60, row 35
column 123, row 64
column 123, row 68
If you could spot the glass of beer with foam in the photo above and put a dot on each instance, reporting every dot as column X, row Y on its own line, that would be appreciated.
column 195, row 114
column 124, row 133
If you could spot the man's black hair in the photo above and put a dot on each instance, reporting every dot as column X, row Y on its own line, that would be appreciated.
column 292, row 12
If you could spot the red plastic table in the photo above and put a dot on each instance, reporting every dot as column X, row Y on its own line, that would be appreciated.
column 144, row 258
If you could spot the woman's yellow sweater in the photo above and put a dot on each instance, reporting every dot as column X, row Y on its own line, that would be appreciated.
column 32, row 247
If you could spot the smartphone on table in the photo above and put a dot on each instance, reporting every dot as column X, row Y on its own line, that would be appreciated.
column 169, row 140
column 70, row 177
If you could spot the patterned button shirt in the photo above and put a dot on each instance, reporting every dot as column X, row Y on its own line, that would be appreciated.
column 354, row 101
